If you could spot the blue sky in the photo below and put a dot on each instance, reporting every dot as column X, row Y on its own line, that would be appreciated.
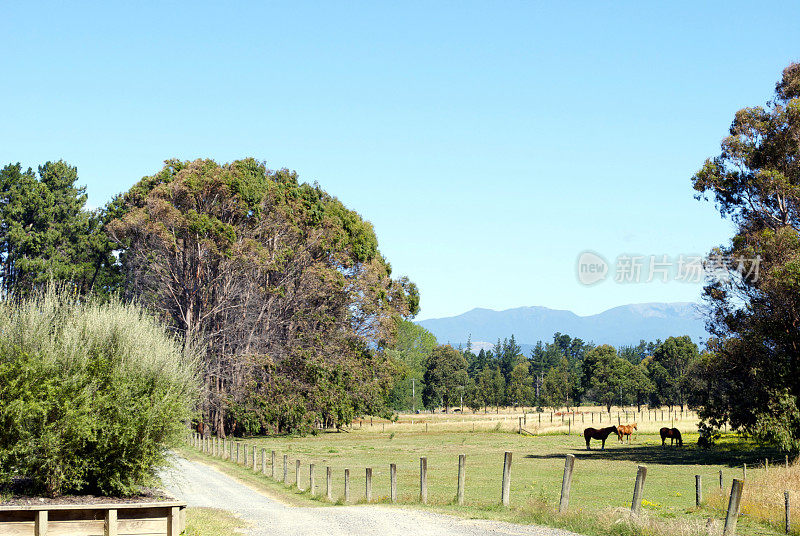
column 489, row 143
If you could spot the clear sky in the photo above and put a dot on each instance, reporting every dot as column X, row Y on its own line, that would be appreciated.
column 489, row 143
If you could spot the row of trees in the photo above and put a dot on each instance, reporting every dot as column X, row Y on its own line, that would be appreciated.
column 280, row 287
column 564, row 372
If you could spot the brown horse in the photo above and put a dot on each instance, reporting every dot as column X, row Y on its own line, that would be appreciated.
column 601, row 434
column 626, row 430
column 672, row 434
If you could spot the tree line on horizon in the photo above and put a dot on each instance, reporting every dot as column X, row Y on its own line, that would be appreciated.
column 562, row 373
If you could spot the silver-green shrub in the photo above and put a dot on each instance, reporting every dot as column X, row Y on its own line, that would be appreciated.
column 92, row 394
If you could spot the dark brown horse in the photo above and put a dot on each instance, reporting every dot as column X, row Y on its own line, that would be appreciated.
column 601, row 434
column 672, row 434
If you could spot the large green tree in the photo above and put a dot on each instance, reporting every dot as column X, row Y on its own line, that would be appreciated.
column 669, row 370
column 754, row 302
column 410, row 351
column 607, row 377
column 280, row 283
column 445, row 377
column 47, row 234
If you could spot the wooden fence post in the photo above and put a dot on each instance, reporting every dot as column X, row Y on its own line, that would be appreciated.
column 638, row 490
column 368, row 486
column 244, row 454
column 347, row 485
column 254, row 458
column 462, row 473
column 237, row 452
column 40, row 523
column 174, row 521
column 733, row 508
column 505, row 494
column 297, row 473
column 698, row 490
column 263, row 461
column 312, row 484
column 786, row 511
column 520, row 425
column 328, row 483
column 423, row 480
column 744, row 471
column 230, row 447
column 566, row 483
column 393, row 482
column 720, row 480
column 110, row 523
column 286, row 469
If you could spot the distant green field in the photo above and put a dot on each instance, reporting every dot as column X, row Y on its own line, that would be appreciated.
column 603, row 480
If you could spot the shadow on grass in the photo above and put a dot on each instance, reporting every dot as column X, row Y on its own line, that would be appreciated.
column 732, row 454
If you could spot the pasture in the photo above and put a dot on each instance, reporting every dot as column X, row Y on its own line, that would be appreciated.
column 602, row 482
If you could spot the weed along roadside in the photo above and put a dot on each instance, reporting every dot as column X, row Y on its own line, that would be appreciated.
column 583, row 491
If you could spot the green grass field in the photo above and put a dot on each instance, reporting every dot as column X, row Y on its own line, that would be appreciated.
column 602, row 483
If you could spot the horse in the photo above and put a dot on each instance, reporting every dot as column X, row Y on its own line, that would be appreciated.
column 602, row 435
column 626, row 430
column 672, row 434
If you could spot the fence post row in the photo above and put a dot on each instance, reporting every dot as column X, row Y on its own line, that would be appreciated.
column 733, row 508
column 638, row 490
column 506, row 490
column 566, row 483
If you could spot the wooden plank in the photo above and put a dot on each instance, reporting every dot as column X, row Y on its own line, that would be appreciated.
column 16, row 528
column 95, row 527
column 100, row 506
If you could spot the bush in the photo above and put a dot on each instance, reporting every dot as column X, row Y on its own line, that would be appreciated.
column 92, row 395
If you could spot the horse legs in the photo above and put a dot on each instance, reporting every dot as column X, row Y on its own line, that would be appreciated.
column 588, row 439
column 603, row 447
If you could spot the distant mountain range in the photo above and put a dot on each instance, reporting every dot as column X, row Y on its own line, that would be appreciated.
column 623, row 325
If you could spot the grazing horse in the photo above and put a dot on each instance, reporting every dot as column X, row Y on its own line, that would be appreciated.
column 626, row 430
column 602, row 435
column 672, row 434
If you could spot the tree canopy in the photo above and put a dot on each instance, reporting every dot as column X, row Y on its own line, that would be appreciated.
column 281, row 284
column 754, row 297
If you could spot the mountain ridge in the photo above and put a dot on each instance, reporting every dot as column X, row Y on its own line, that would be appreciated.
column 618, row 326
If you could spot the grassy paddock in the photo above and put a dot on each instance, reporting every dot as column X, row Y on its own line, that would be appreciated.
column 212, row 522
column 602, row 483
column 560, row 420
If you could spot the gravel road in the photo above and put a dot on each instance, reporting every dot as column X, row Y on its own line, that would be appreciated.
column 201, row 485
